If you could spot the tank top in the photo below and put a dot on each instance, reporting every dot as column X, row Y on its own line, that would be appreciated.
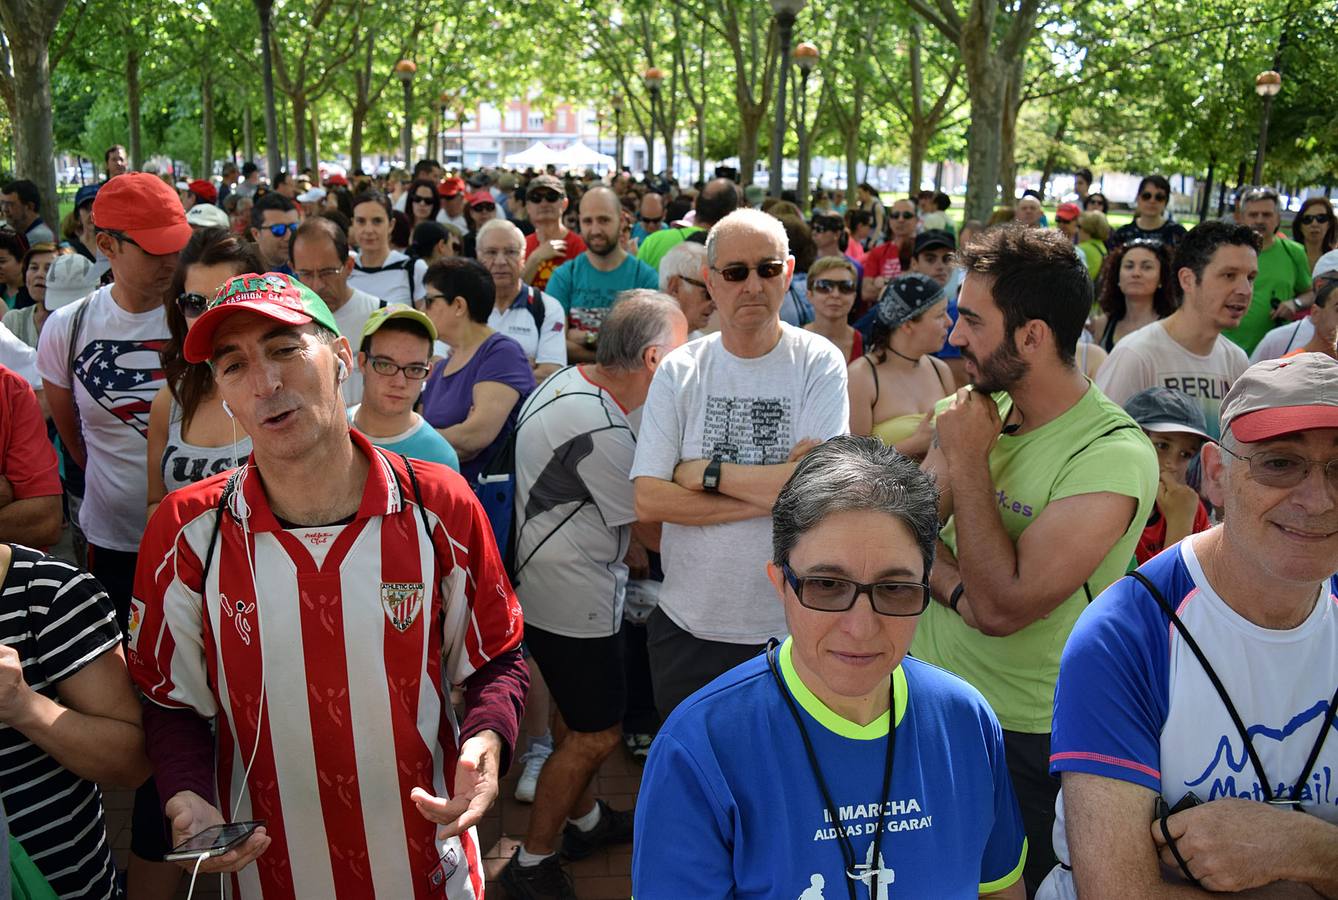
column 185, row 463
column 897, row 428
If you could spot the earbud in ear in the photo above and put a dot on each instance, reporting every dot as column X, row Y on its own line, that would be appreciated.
column 343, row 371
column 228, row 409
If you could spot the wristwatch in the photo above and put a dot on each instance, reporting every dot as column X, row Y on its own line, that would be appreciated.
column 711, row 477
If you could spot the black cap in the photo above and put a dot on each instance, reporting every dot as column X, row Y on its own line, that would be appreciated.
column 906, row 297
column 1164, row 409
column 934, row 237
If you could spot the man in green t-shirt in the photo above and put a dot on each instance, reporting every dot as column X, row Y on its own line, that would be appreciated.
column 718, row 199
column 1282, row 289
column 1045, row 487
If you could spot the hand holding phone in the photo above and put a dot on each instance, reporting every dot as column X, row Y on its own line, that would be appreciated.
column 190, row 815
column 214, row 841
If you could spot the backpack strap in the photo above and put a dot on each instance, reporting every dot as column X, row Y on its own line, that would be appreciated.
column 535, row 302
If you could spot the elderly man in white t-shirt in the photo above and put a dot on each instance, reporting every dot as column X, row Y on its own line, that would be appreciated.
column 726, row 418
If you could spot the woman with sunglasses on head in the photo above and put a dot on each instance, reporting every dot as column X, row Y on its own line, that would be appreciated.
column 832, row 284
column 1315, row 229
column 894, row 388
column 1150, row 219
column 1135, row 290
column 191, row 437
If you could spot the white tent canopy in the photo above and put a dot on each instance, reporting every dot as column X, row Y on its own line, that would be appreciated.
column 580, row 155
column 539, row 155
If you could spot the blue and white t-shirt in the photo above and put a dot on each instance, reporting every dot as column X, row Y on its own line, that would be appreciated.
column 1134, row 704
column 729, row 805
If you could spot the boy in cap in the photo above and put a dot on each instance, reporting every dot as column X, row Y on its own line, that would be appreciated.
column 1174, row 423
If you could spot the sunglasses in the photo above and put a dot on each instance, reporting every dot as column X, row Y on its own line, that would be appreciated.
column 543, row 196
column 192, row 305
column 649, row 221
column 1150, row 195
column 280, row 230
column 825, row 229
column 426, row 201
column 828, row 285
column 484, row 207
column 739, row 271
column 888, row 598
column 1315, row 219
column 901, row 215
column 698, row 284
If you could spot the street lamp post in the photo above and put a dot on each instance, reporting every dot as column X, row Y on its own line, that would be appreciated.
column 599, row 131
column 404, row 71
column 616, row 101
column 806, row 57
column 443, row 103
column 1266, row 85
column 786, row 11
column 653, row 78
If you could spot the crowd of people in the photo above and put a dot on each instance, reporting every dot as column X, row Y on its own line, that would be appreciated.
column 326, row 500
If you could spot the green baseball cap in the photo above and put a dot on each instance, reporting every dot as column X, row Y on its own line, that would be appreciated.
column 390, row 311
column 273, row 295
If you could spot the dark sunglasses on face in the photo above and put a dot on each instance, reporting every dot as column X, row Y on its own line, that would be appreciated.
column 280, row 230
column 695, row 283
column 901, row 215
column 828, row 285
column 1316, row 219
column 739, row 271
column 543, row 196
column 652, row 221
column 484, row 207
column 1150, row 195
column 192, row 305
column 825, row 229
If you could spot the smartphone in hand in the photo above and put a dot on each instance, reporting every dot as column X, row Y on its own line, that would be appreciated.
column 214, row 841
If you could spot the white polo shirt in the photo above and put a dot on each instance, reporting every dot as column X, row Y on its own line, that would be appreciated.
column 545, row 344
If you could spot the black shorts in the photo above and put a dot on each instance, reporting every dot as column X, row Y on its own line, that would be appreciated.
column 585, row 676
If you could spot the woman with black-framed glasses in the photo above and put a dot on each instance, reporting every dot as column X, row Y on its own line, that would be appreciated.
column 190, row 436
column 1150, row 220
column 1315, row 229
column 834, row 765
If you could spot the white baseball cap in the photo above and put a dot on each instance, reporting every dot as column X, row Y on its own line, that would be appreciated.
column 1326, row 264
column 315, row 195
column 206, row 215
column 71, row 277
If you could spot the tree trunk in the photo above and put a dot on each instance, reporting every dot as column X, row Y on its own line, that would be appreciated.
column 315, row 144
column 1207, row 189
column 1052, row 155
column 852, row 149
column 983, row 145
column 355, row 143
column 263, row 8
column 938, row 176
column 207, row 126
column 28, row 28
column 1012, row 105
column 919, row 149
column 299, row 121
column 248, row 134
column 701, row 146
column 748, row 128
column 132, row 105
column 919, row 129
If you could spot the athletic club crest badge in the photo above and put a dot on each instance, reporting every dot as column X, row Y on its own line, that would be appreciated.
column 402, row 601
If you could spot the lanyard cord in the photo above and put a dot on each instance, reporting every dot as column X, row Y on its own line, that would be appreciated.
column 847, row 849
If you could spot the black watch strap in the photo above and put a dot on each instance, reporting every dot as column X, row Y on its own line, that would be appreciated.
column 711, row 477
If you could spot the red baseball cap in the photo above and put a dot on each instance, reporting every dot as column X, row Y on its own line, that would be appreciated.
column 336, row 180
column 205, row 190
column 145, row 209
column 451, row 186
column 478, row 197
column 272, row 295
column 1067, row 212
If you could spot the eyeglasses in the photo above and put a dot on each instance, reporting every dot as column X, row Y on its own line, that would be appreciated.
column 484, row 207
column 427, row 299
column 309, row 275
column 390, row 368
column 282, row 229
column 1316, row 219
column 426, row 201
column 697, row 284
column 192, row 305
column 824, row 229
column 901, row 215
column 500, row 253
column 888, row 598
column 827, row 286
column 1153, row 195
column 739, row 271
column 543, row 197
column 1277, row 468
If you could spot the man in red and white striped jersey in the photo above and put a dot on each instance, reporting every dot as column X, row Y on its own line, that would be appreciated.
column 317, row 604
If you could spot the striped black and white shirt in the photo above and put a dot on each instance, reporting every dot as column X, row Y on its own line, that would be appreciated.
column 59, row 620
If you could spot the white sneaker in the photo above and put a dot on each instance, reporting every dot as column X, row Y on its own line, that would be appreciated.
column 534, row 760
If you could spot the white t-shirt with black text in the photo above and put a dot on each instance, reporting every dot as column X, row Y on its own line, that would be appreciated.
column 117, row 371
column 705, row 401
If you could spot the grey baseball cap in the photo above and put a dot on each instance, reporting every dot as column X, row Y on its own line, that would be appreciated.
column 1164, row 409
column 71, row 277
column 1283, row 396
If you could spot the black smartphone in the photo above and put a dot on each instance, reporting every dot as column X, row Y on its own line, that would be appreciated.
column 214, row 841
